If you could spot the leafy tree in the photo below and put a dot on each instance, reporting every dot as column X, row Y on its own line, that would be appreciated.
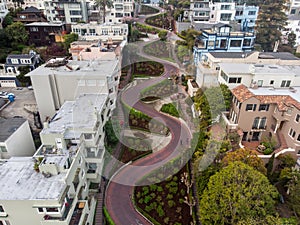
column 162, row 35
column 294, row 190
column 8, row 20
column 69, row 38
column 16, row 32
column 270, row 21
column 189, row 36
column 21, row 77
column 292, row 39
column 4, row 42
column 102, row 4
column 246, row 156
column 236, row 193
column 270, row 165
column 110, row 134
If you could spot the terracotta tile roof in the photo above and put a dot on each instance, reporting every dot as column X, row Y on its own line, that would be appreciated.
column 242, row 93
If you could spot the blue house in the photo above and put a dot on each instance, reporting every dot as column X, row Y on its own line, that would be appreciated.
column 221, row 38
column 246, row 16
column 13, row 62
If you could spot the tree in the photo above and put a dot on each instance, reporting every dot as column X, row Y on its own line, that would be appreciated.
column 294, row 190
column 246, row 156
column 69, row 38
column 17, row 33
column 270, row 21
column 110, row 132
column 292, row 39
column 236, row 193
column 162, row 35
column 102, row 4
column 25, row 81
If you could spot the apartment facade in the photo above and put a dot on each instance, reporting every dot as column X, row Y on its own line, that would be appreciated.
column 93, row 31
column 221, row 38
column 273, row 113
column 61, row 80
column 246, row 16
column 53, row 186
column 15, row 132
column 30, row 15
column 122, row 9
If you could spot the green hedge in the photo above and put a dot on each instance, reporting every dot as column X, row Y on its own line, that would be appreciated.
column 170, row 109
column 107, row 217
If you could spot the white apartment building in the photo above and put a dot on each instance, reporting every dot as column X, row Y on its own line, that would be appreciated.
column 61, row 80
column 122, row 9
column 52, row 187
column 3, row 10
column 293, row 25
column 15, row 132
column 259, row 75
column 222, row 12
column 208, row 70
column 93, row 31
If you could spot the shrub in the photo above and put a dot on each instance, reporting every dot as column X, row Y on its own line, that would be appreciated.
column 160, row 211
column 153, row 187
column 171, row 203
column 169, row 196
column 268, row 151
column 159, row 189
column 170, row 109
column 146, row 190
column 166, row 220
column 147, row 199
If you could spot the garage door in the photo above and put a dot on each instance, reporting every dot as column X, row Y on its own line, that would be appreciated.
column 7, row 83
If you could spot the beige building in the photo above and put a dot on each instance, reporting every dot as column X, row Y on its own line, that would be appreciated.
column 61, row 80
column 52, row 187
column 266, row 112
column 15, row 132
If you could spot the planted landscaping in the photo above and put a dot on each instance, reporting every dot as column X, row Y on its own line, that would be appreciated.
column 163, row 89
column 146, row 28
column 165, row 202
column 161, row 21
column 147, row 69
column 171, row 109
column 146, row 10
column 159, row 49
column 134, row 148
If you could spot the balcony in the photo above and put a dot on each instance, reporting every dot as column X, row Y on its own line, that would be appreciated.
column 80, row 213
column 229, row 124
column 50, row 219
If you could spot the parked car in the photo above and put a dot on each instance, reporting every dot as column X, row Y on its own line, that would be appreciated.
column 30, row 87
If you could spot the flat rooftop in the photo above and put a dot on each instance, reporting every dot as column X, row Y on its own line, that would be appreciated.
column 293, row 92
column 9, row 126
column 244, row 68
column 277, row 55
column 44, row 24
column 76, row 116
column 230, row 55
column 19, row 181
column 60, row 66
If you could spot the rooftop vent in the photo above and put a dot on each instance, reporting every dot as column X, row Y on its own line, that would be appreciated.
column 56, row 62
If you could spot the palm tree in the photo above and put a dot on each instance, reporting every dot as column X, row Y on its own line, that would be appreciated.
column 102, row 4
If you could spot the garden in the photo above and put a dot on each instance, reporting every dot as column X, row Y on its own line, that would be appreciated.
column 146, row 10
column 146, row 29
column 159, row 49
column 140, row 121
column 166, row 202
column 134, row 148
column 147, row 69
column 163, row 89
column 161, row 21
column 171, row 109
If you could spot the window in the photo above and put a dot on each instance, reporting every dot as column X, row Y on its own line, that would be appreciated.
column 271, row 82
column 40, row 210
column 211, row 43
column 1, row 209
column 235, row 80
column 91, row 83
column 292, row 133
column 285, row 83
column 298, row 138
column 293, row 11
column 260, row 83
column 247, row 42
column 255, row 123
column 251, row 13
column 88, row 136
column 34, row 29
column 225, row 7
column 81, row 83
column 235, row 43
column 224, row 76
column 289, row 111
column 262, row 123
column 297, row 118
column 2, row 149
column 263, row 107
column 250, row 107
column 223, row 43
column 225, row 17
column 52, row 210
